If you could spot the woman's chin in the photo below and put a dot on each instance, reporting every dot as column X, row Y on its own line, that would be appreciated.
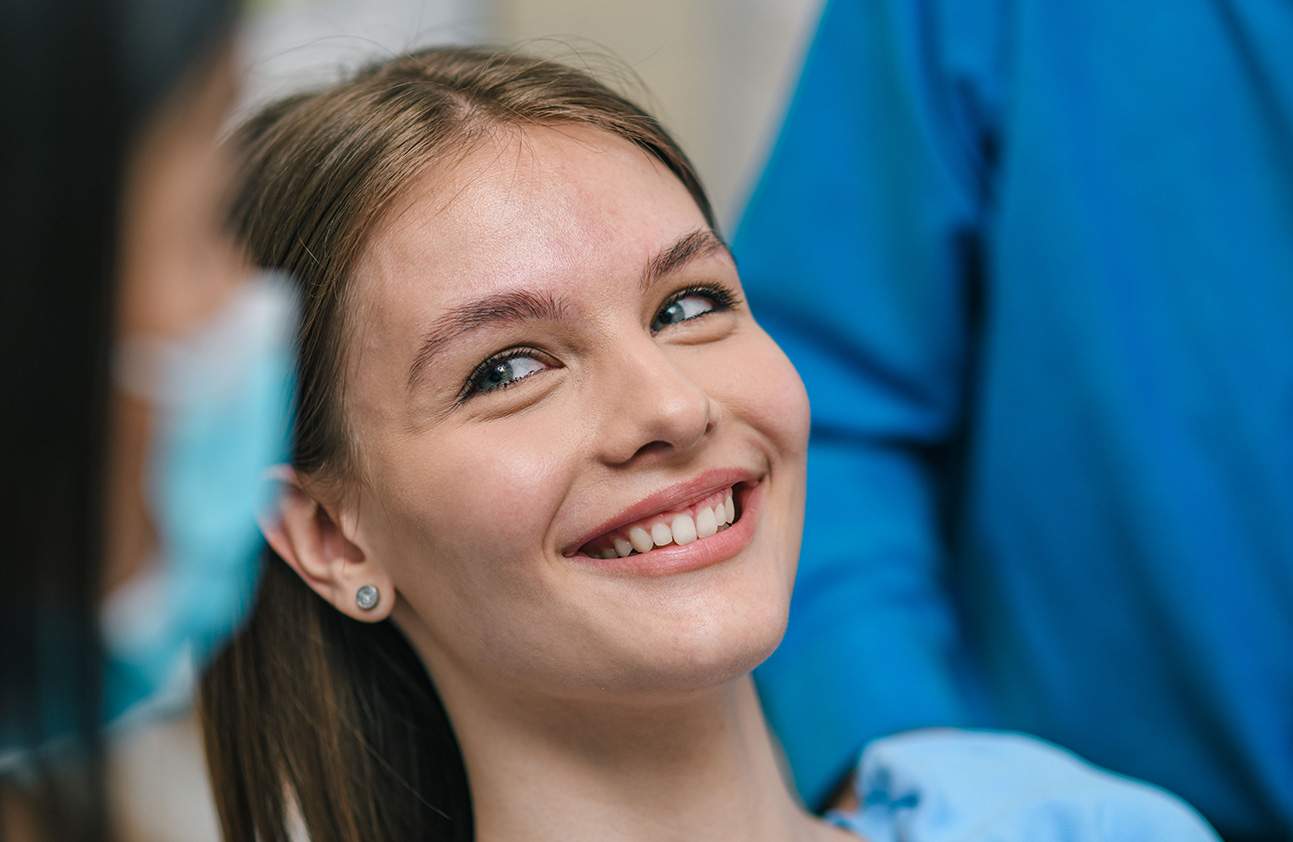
column 612, row 640
column 705, row 657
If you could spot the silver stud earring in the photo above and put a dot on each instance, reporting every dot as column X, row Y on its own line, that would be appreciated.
column 366, row 597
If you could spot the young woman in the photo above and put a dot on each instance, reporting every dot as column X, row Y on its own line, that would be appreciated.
column 545, row 507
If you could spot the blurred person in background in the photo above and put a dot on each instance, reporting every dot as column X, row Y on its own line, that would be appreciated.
column 145, row 384
column 1035, row 264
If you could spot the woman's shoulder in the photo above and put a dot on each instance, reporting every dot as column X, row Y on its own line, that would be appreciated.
column 947, row 785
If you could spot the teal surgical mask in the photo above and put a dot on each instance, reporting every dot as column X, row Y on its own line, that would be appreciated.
column 222, row 401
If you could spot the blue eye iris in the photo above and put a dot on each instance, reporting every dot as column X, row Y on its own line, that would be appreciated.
column 683, row 309
column 501, row 373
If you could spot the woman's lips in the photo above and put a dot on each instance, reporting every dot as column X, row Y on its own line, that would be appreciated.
column 699, row 520
column 684, row 497
column 699, row 552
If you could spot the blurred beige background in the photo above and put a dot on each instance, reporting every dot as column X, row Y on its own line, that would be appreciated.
column 718, row 70
column 718, row 73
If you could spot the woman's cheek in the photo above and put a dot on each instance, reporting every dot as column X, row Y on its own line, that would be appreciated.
column 774, row 394
column 793, row 396
column 506, row 480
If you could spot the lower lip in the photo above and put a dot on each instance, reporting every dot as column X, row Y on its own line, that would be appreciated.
column 663, row 561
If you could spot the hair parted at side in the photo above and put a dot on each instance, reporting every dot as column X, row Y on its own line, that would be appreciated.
column 309, row 711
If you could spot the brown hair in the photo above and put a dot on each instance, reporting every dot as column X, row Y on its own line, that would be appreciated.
column 309, row 710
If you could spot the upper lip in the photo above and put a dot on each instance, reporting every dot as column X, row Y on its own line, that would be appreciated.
column 668, row 499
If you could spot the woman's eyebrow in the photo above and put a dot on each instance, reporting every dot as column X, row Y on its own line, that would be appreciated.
column 509, row 307
column 521, row 305
column 699, row 243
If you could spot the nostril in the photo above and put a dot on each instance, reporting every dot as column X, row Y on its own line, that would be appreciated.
column 715, row 414
column 658, row 409
column 653, row 447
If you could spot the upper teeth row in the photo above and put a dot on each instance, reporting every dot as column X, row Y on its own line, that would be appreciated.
column 681, row 529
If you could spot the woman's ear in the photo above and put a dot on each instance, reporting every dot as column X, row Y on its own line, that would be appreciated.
column 302, row 531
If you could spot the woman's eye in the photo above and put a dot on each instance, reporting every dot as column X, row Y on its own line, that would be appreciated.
column 682, row 309
column 501, row 372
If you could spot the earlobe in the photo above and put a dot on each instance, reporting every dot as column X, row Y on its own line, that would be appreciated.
column 306, row 536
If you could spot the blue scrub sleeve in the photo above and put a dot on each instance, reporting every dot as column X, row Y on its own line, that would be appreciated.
column 858, row 252
column 943, row 785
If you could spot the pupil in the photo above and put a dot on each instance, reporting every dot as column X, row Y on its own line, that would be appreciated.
column 672, row 314
column 501, row 373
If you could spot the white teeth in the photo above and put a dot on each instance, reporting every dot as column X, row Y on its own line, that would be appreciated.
column 641, row 539
column 684, row 529
column 706, row 523
column 681, row 530
column 661, row 534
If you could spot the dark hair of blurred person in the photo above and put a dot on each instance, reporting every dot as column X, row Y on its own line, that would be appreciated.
column 88, row 85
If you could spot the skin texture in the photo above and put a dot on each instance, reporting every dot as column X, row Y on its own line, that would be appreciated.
column 592, row 699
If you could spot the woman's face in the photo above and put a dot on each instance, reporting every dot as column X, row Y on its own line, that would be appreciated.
column 551, row 358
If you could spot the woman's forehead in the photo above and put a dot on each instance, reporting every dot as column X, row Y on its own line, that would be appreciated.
column 529, row 205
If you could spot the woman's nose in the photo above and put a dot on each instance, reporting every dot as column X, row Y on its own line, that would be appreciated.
column 654, row 405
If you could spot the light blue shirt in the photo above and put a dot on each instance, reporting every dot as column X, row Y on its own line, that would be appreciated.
column 942, row 785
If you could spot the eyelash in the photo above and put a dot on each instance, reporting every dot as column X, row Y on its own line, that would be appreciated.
column 723, row 298
column 473, row 385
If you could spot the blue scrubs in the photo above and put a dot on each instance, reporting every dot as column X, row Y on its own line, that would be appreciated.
column 1035, row 264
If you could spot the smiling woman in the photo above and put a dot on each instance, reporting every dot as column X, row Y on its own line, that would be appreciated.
column 547, row 495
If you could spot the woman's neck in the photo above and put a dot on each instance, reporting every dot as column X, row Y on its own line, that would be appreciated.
column 700, row 768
